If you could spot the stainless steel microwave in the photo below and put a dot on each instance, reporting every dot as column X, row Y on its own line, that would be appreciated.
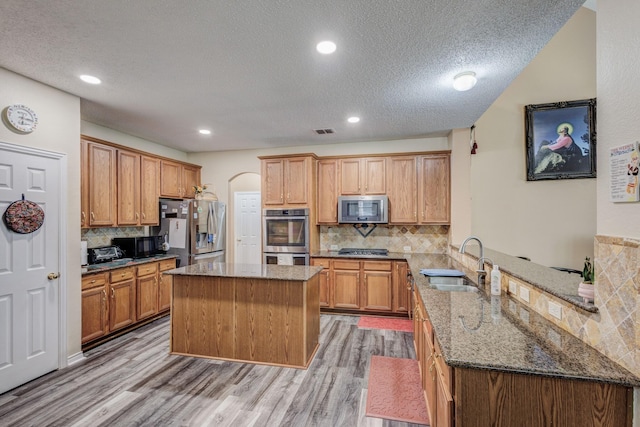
column 363, row 209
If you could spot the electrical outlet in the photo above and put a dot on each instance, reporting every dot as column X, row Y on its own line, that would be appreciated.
column 334, row 247
column 524, row 294
column 407, row 249
column 524, row 315
column 555, row 310
column 513, row 287
column 512, row 306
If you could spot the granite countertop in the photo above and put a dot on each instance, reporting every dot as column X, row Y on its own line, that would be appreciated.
column 122, row 263
column 477, row 330
column 249, row 271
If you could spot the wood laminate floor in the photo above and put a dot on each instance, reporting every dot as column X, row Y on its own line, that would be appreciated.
column 134, row 381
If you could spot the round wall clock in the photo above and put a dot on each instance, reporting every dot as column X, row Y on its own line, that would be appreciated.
column 20, row 118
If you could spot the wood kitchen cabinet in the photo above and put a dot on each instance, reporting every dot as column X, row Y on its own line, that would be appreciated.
column 401, row 288
column 402, row 189
column 164, row 284
column 95, row 322
column 146, row 290
column 362, row 176
column 324, row 289
column 328, row 191
column 346, row 284
column 98, row 184
column 377, row 288
column 288, row 181
column 434, row 193
column 138, row 189
column 178, row 179
column 122, row 305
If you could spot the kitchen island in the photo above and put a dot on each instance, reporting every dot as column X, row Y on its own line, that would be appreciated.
column 267, row 314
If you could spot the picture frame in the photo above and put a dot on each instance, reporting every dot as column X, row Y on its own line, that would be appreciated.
column 561, row 140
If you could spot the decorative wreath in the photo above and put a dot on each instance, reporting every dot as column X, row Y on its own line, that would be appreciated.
column 24, row 216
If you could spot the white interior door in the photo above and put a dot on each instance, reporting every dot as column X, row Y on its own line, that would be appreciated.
column 29, row 300
column 247, row 228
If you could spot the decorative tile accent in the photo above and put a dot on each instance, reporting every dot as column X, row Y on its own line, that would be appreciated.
column 97, row 237
column 421, row 239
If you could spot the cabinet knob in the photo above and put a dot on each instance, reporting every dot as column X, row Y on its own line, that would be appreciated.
column 144, row 216
column 137, row 216
column 84, row 218
column 93, row 217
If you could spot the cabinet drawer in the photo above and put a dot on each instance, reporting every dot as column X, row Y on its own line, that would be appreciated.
column 122, row 274
column 346, row 265
column 443, row 370
column 94, row 280
column 377, row 265
column 147, row 269
column 322, row 262
column 167, row 264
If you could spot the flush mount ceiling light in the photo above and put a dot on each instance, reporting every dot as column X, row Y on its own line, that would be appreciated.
column 353, row 119
column 205, row 131
column 90, row 79
column 464, row 81
column 326, row 47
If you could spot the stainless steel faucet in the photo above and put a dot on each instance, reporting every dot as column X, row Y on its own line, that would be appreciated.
column 481, row 258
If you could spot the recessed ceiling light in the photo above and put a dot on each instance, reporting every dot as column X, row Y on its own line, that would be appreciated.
column 464, row 81
column 90, row 79
column 205, row 131
column 353, row 119
column 326, row 47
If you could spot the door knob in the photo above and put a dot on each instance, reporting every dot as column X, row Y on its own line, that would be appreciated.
column 53, row 276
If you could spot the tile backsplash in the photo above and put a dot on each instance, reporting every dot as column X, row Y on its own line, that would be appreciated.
column 421, row 239
column 97, row 237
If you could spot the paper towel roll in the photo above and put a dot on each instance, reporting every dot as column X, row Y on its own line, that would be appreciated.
column 83, row 253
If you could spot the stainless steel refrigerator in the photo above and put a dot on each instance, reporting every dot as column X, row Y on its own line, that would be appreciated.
column 194, row 229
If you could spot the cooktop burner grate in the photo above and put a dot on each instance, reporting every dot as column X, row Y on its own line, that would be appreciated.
column 362, row 251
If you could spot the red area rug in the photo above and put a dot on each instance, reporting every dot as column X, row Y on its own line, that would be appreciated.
column 402, row 325
column 394, row 390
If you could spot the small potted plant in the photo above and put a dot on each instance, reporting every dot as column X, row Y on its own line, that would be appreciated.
column 586, row 288
column 198, row 190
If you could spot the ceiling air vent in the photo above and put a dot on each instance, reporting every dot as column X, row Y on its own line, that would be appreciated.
column 324, row 131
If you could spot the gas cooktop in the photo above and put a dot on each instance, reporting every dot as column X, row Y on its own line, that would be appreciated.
column 362, row 251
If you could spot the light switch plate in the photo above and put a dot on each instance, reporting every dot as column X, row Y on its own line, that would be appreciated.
column 407, row 249
column 513, row 287
column 334, row 247
column 555, row 310
column 524, row 294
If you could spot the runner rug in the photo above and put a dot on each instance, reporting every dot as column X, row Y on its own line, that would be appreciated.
column 394, row 390
column 402, row 325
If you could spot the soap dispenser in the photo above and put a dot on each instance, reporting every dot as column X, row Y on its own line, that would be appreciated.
column 496, row 278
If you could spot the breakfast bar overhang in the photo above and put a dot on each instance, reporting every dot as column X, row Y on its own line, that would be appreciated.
column 266, row 314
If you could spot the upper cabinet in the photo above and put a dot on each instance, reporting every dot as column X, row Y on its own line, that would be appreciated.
column 434, row 193
column 328, row 191
column 121, row 187
column 288, row 181
column 178, row 179
column 402, row 189
column 362, row 176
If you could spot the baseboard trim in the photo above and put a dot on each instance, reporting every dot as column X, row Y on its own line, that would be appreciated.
column 75, row 358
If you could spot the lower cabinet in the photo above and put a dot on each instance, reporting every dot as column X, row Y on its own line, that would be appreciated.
column 366, row 286
column 120, row 298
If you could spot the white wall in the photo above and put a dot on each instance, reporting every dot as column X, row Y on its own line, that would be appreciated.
column 551, row 222
column 58, row 130
column 618, row 106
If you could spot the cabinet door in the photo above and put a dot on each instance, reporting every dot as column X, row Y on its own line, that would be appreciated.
column 164, row 292
column 128, row 188
column 325, row 296
column 102, row 185
column 149, row 190
column 122, row 304
column 346, row 292
column 170, row 179
column 273, row 182
column 349, row 177
column 84, row 184
column 402, row 185
column 328, row 191
column 374, row 176
column 377, row 290
column 94, row 313
column 190, row 178
column 401, row 289
column 296, row 180
column 435, row 193
column 444, row 406
column 147, row 296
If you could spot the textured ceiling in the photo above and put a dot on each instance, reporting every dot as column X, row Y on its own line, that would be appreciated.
column 248, row 69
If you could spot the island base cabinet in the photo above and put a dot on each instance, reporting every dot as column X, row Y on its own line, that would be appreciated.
column 490, row 398
column 274, row 322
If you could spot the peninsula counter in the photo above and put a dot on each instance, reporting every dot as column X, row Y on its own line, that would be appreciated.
column 267, row 314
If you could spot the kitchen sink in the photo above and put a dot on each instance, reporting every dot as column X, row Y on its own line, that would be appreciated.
column 451, row 284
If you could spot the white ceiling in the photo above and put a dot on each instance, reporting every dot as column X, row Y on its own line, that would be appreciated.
column 248, row 69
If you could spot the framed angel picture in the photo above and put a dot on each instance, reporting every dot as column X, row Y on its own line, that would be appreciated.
column 561, row 140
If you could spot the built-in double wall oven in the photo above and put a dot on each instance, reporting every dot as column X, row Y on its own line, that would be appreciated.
column 285, row 236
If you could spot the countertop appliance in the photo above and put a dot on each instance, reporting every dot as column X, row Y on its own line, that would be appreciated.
column 104, row 254
column 285, row 236
column 363, row 209
column 138, row 247
column 193, row 229
column 362, row 251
